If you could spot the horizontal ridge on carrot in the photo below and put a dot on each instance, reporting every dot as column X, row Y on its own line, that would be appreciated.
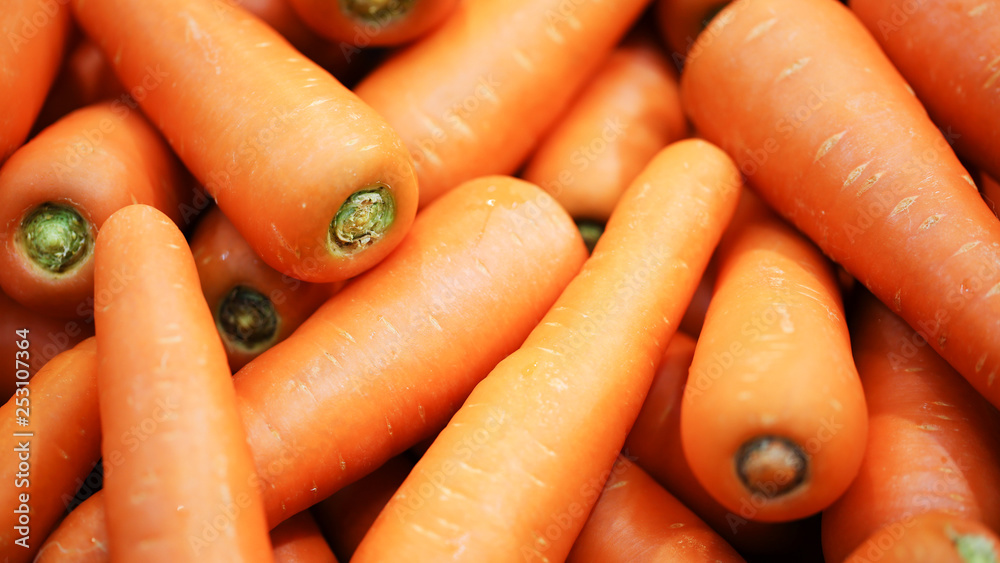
column 932, row 440
column 476, row 95
column 313, row 178
column 773, row 425
column 374, row 23
column 521, row 464
column 179, row 481
column 626, row 114
column 852, row 159
column 949, row 52
column 62, row 442
column 58, row 189
column 254, row 305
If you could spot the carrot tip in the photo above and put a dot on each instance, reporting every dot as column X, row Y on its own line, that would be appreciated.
column 55, row 237
column 591, row 231
column 973, row 548
column 362, row 220
column 771, row 465
column 376, row 10
column 247, row 319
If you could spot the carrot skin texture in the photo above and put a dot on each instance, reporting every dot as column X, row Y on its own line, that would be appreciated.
column 276, row 140
column 347, row 515
column 298, row 540
column 927, row 538
column 932, row 442
column 65, row 446
column 990, row 190
column 529, row 58
column 524, row 448
column 47, row 336
column 654, row 442
column 886, row 197
column 225, row 262
column 81, row 537
column 756, row 372
column 96, row 160
column 949, row 52
column 333, row 21
column 393, row 334
column 635, row 519
column 196, row 456
column 30, row 56
column 625, row 114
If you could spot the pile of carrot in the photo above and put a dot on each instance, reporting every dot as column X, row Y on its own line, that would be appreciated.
column 500, row 280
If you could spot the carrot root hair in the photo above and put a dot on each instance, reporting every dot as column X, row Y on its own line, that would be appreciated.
column 771, row 465
column 973, row 548
column 380, row 11
column 55, row 237
column 362, row 220
column 247, row 319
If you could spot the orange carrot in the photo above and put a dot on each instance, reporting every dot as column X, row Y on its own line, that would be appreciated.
column 852, row 159
column 47, row 337
column 932, row 440
column 990, row 190
column 254, row 306
column 85, row 79
column 626, row 114
column 298, row 540
column 655, row 443
column 57, row 191
column 182, row 483
column 520, row 465
column 694, row 317
column 934, row 537
column 52, row 452
column 480, row 91
column 80, row 538
column 681, row 21
column 34, row 36
column 386, row 362
column 635, row 519
column 773, row 425
column 949, row 52
column 316, row 181
column 374, row 23
column 347, row 515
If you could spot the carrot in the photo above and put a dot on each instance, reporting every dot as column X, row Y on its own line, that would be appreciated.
column 934, row 537
column 949, row 52
column 626, row 114
column 772, row 425
column 182, row 483
column 932, row 441
column 520, row 465
column 347, row 515
column 51, row 453
column 85, row 79
column 635, row 519
column 990, row 190
column 694, row 317
column 316, row 181
column 655, row 443
column 34, row 33
column 57, row 191
column 385, row 363
column 80, row 538
column 680, row 22
column 254, row 306
column 298, row 540
column 374, row 23
column 47, row 338
column 481, row 90
column 886, row 197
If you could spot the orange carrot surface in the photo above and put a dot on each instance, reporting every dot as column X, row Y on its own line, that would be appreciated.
column 374, row 22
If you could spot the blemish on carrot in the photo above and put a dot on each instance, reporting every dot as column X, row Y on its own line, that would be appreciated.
column 828, row 144
column 760, row 29
column 929, row 222
column 855, row 173
column 870, row 182
column 966, row 247
column 903, row 205
column 796, row 66
column 978, row 9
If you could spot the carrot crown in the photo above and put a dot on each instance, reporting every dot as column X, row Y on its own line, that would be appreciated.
column 55, row 237
column 376, row 10
column 771, row 465
column 362, row 220
column 973, row 548
column 247, row 319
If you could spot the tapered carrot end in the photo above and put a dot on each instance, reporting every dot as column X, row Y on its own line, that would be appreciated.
column 362, row 220
column 771, row 465
column 973, row 548
column 376, row 10
column 247, row 319
column 55, row 237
